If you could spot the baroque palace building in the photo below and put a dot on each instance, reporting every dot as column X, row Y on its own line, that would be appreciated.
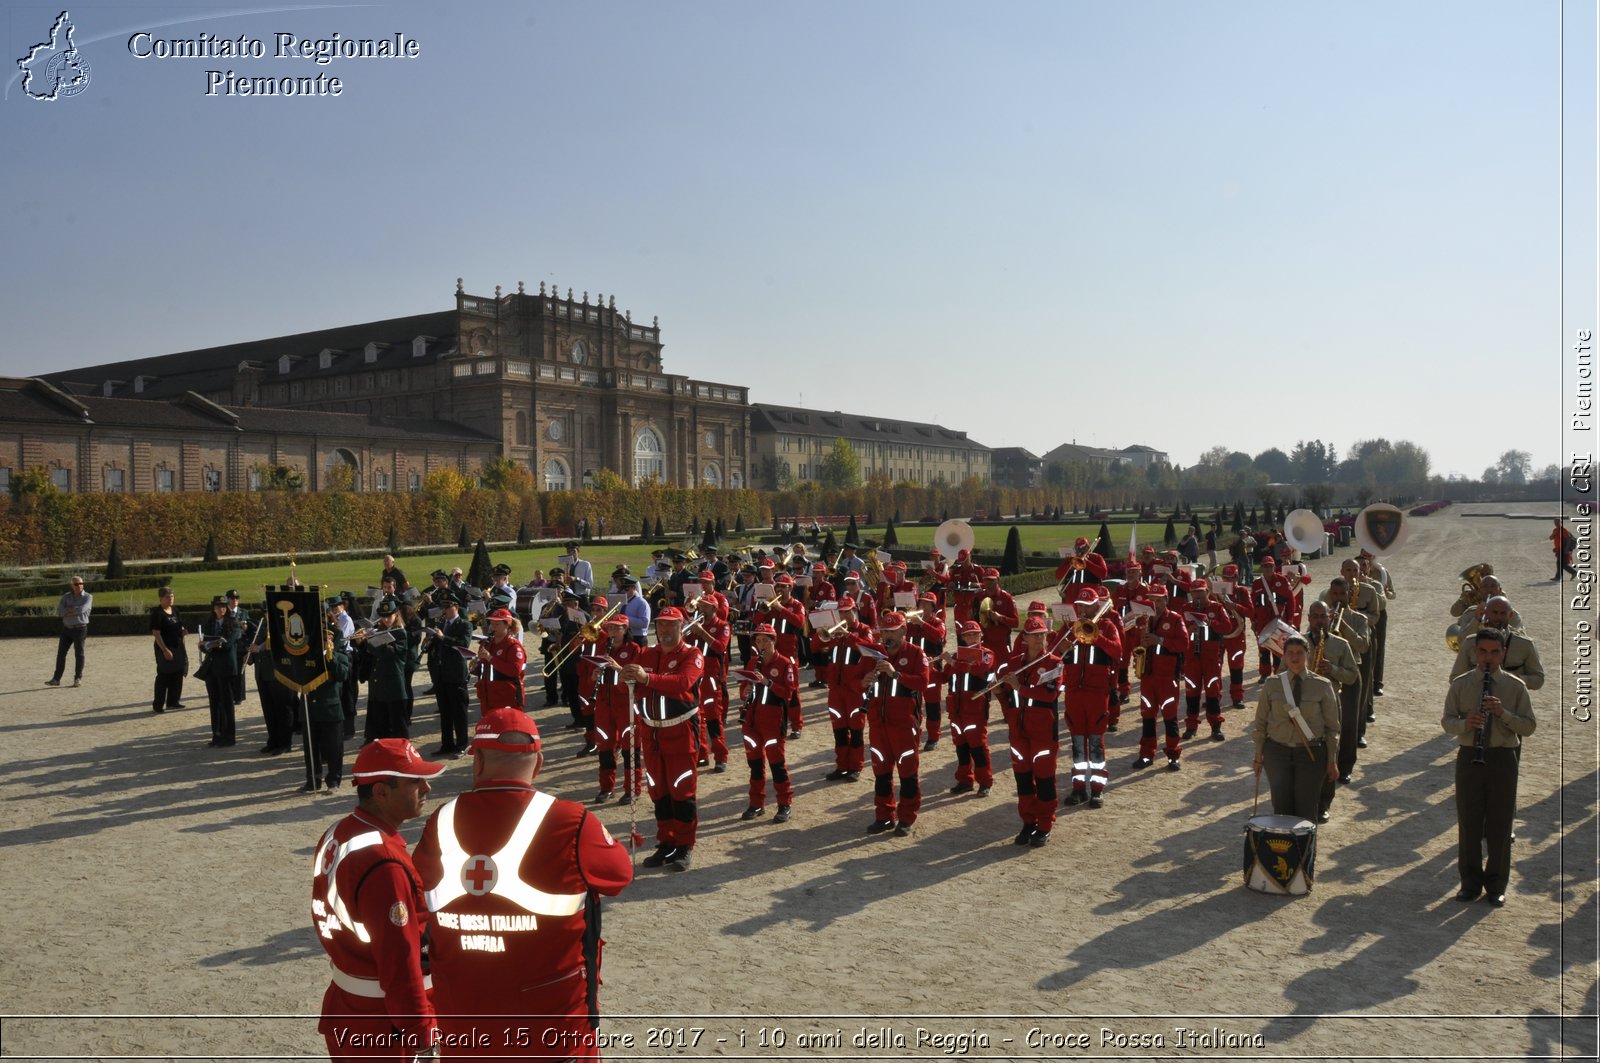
column 562, row 386
column 797, row 441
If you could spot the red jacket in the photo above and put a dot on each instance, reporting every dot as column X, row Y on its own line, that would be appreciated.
column 364, row 885
column 500, row 681
column 514, row 878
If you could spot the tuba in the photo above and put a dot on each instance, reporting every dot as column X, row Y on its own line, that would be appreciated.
column 1303, row 530
column 952, row 537
column 1452, row 637
column 1472, row 577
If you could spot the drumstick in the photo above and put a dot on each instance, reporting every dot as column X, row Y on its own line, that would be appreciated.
column 1257, row 804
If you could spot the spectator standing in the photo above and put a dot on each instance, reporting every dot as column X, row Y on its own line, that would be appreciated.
column 172, row 658
column 73, row 609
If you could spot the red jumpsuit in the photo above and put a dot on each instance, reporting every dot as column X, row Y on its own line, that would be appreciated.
column 927, row 634
column 788, row 619
column 1122, row 598
column 847, row 676
column 500, row 678
column 1269, row 600
column 966, row 580
column 711, row 639
column 514, row 879
column 368, row 910
column 1234, row 650
column 894, row 723
column 1162, row 683
column 1202, row 669
column 1088, row 677
column 765, row 707
column 669, row 700
column 1035, row 738
column 1093, row 570
column 608, row 695
column 966, row 676
column 1003, row 620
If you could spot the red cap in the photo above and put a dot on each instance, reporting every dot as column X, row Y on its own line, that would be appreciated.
column 1086, row 594
column 617, row 621
column 763, row 629
column 891, row 620
column 928, row 598
column 766, row 562
column 1147, row 549
column 506, row 721
column 1036, row 625
column 1230, row 570
column 1199, row 585
column 1037, row 606
column 819, row 567
column 969, row 627
column 846, row 602
column 671, row 612
column 991, row 573
column 963, row 555
column 784, row 580
column 1266, row 561
column 598, row 603
column 1082, row 541
column 851, row 576
column 391, row 758
column 1157, row 591
column 708, row 576
column 1133, row 566
column 502, row 614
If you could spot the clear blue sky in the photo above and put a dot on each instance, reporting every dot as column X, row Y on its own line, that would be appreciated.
column 1179, row 224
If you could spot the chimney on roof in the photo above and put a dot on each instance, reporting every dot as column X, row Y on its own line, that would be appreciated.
column 108, row 387
column 371, row 353
column 138, row 383
column 325, row 358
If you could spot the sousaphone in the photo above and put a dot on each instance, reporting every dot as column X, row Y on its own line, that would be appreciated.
column 952, row 537
column 1303, row 530
column 1381, row 529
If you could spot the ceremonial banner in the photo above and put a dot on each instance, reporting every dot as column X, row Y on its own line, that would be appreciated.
column 294, row 638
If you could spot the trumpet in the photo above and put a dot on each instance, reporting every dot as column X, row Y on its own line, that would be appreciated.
column 834, row 631
column 1086, row 630
column 588, row 633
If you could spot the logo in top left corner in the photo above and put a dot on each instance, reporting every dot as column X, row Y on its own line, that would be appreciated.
column 55, row 69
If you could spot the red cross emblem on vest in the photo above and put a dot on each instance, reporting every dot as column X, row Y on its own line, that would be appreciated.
column 479, row 876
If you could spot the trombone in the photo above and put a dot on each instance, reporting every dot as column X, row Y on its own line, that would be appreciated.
column 1086, row 630
column 589, row 632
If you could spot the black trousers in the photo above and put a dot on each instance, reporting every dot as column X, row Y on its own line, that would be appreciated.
column 1295, row 778
column 169, row 685
column 73, row 637
column 219, row 692
column 1380, row 640
column 452, row 699
column 1486, row 803
column 386, row 719
column 277, row 712
column 328, row 743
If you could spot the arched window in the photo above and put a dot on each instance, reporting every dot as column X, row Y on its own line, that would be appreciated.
column 522, row 429
column 340, row 460
column 649, row 457
column 713, row 475
column 556, row 475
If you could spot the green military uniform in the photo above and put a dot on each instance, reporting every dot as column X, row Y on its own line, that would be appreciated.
column 1345, row 675
column 1295, row 776
column 1521, row 660
column 325, row 706
column 1486, row 794
column 386, row 686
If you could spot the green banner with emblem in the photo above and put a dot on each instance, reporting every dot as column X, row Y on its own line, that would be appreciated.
column 295, row 638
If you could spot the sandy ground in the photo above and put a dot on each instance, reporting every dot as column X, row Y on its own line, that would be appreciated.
column 151, row 876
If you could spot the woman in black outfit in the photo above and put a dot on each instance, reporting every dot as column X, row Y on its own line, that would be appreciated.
column 172, row 656
column 218, row 665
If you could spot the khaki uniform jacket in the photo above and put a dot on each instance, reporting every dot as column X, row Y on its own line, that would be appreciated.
column 1340, row 660
column 1319, row 704
column 1521, row 660
column 1354, row 628
column 1464, row 696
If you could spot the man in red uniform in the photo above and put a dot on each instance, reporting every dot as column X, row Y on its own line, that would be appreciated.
column 787, row 618
column 514, row 879
column 613, row 717
column 1211, row 621
column 1562, row 543
column 711, row 637
column 368, row 910
column 1234, row 646
column 927, row 634
column 766, row 704
column 1079, row 568
column 968, row 671
column 1088, row 675
column 847, row 672
column 894, row 721
column 1165, row 641
column 966, row 580
column 1003, row 619
column 501, row 659
column 1132, row 589
column 1269, row 600
column 866, row 605
column 1034, row 677
column 667, row 680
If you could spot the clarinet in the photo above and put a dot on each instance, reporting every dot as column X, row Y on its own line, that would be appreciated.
column 1480, row 741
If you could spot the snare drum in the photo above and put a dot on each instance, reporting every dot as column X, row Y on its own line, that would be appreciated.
column 1279, row 854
